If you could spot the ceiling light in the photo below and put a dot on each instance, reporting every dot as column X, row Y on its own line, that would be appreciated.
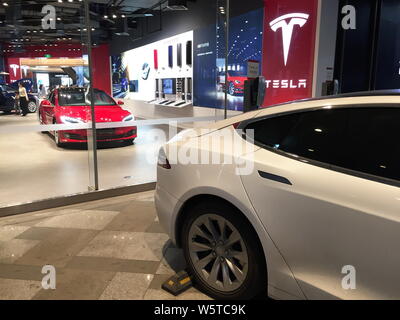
column 176, row 5
column 5, row 4
column 105, row 16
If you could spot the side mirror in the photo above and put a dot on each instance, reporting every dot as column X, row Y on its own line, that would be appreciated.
column 120, row 102
column 45, row 103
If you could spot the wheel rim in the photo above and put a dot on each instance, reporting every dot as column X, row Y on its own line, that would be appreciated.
column 218, row 253
column 32, row 106
column 232, row 89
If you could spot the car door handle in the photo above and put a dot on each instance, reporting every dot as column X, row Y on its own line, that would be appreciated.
column 274, row 177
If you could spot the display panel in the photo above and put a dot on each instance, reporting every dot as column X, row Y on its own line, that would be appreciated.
column 179, row 54
column 156, row 59
column 245, row 43
column 171, row 56
column 148, row 63
column 168, row 86
column 189, row 49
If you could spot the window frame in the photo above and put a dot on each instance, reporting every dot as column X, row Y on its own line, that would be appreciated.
column 355, row 173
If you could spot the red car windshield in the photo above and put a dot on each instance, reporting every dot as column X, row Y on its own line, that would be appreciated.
column 236, row 74
column 81, row 98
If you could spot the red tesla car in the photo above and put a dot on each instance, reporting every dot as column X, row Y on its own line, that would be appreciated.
column 235, row 83
column 71, row 106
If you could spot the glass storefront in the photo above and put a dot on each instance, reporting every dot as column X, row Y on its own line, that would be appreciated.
column 136, row 100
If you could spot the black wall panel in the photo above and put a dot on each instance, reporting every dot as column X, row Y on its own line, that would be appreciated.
column 368, row 58
column 387, row 70
column 354, row 52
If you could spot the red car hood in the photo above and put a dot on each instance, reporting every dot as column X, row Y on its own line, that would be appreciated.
column 241, row 79
column 103, row 113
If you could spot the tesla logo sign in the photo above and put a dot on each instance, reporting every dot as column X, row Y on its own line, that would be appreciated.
column 25, row 70
column 287, row 23
column 14, row 67
column 289, row 42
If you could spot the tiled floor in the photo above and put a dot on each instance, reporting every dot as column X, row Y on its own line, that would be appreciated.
column 106, row 249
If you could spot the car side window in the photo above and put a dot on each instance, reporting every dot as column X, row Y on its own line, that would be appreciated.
column 271, row 132
column 358, row 139
column 373, row 135
column 51, row 98
column 320, row 136
column 316, row 135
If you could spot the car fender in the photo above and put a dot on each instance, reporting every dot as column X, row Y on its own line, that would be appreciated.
column 280, row 277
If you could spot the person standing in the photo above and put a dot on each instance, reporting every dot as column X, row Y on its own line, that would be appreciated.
column 16, row 104
column 42, row 92
column 23, row 99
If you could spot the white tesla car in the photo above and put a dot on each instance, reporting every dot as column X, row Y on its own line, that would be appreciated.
column 304, row 202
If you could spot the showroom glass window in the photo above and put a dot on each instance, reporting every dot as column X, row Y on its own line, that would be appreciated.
column 359, row 139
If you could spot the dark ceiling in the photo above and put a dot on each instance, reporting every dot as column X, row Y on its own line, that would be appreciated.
column 21, row 20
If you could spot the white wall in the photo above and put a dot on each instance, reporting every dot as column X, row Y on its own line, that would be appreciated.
column 134, row 59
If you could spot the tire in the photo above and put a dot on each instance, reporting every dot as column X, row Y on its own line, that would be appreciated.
column 231, row 89
column 41, row 122
column 32, row 106
column 129, row 142
column 202, row 260
column 56, row 138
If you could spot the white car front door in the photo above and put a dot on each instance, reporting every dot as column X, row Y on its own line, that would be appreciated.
column 338, row 229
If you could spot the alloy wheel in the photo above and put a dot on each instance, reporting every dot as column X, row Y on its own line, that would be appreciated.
column 231, row 89
column 32, row 106
column 218, row 253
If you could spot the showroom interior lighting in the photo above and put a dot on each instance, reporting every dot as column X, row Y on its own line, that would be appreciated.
column 105, row 18
column 174, row 5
